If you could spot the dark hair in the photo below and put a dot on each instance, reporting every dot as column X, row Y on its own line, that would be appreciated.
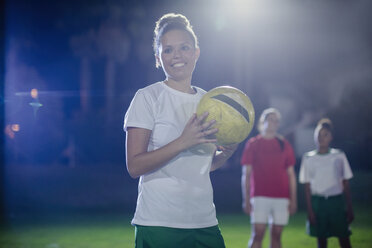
column 169, row 22
column 326, row 124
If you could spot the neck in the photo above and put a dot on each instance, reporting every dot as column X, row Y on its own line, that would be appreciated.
column 182, row 85
column 268, row 135
column 323, row 150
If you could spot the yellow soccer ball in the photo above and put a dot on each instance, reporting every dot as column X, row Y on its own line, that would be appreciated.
column 233, row 112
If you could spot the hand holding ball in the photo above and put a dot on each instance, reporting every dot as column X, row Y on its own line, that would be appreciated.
column 233, row 112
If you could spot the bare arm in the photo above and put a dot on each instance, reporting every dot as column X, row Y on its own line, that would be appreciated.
column 292, row 190
column 221, row 157
column 140, row 161
column 246, row 180
column 349, row 206
column 310, row 212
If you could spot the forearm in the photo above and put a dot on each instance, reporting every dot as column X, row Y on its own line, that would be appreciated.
column 292, row 208
column 347, row 194
column 219, row 160
column 245, row 184
column 292, row 186
column 222, row 156
column 246, row 196
column 308, row 197
column 141, row 161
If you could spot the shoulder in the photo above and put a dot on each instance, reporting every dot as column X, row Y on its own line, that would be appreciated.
column 310, row 154
column 338, row 153
column 151, row 89
column 255, row 139
column 150, row 93
column 284, row 143
column 281, row 138
column 335, row 151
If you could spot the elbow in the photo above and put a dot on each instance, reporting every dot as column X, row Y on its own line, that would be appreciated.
column 133, row 173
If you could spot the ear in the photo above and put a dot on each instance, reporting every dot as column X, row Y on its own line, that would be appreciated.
column 197, row 53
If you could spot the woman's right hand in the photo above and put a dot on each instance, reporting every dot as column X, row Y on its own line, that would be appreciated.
column 141, row 161
column 197, row 131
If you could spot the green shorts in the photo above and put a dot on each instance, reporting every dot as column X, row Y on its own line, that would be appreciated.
column 330, row 214
column 166, row 237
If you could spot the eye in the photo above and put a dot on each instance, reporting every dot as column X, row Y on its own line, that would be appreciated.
column 167, row 50
column 185, row 47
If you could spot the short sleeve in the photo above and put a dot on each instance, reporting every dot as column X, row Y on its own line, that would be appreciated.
column 247, row 156
column 346, row 169
column 304, row 174
column 140, row 112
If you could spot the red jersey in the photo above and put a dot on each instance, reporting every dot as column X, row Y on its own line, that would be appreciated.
column 269, row 160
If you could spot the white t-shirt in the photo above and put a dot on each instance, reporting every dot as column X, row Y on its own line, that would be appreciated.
column 325, row 172
column 179, row 194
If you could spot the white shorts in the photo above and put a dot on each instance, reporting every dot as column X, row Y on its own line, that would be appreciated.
column 269, row 210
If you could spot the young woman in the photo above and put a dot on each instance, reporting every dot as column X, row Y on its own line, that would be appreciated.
column 175, row 199
column 268, row 180
column 325, row 173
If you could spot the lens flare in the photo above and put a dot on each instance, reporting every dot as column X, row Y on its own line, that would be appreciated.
column 34, row 93
column 15, row 127
column 9, row 132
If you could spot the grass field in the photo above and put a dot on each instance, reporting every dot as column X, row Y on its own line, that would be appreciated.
column 114, row 231
column 39, row 190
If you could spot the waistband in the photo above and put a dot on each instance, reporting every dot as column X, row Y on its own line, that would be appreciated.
column 327, row 197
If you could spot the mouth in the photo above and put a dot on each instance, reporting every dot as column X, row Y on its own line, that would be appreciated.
column 176, row 65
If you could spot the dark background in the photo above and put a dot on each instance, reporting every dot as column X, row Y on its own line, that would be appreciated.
column 64, row 149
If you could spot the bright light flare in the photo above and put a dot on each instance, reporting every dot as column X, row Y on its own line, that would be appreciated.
column 34, row 93
column 15, row 127
column 9, row 132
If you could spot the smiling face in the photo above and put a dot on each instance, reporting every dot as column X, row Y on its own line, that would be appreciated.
column 177, row 55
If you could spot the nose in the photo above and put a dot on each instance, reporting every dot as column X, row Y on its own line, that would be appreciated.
column 177, row 53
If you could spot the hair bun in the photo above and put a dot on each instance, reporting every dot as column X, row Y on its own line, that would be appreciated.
column 325, row 123
column 171, row 18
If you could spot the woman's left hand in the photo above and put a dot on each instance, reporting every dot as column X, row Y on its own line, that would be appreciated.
column 228, row 150
column 222, row 155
